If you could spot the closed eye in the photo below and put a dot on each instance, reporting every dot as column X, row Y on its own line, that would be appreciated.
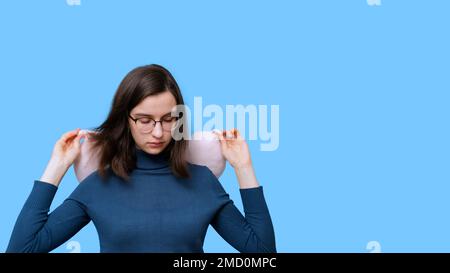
column 145, row 120
column 169, row 119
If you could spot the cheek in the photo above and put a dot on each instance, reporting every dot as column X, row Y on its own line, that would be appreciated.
column 136, row 136
column 167, row 139
column 167, row 136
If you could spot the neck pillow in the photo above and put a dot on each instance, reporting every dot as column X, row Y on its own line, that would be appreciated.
column 203, row 149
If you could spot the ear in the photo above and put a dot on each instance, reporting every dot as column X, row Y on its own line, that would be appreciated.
column 204, row 149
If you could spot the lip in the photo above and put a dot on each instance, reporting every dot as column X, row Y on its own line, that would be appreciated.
column 155, row 144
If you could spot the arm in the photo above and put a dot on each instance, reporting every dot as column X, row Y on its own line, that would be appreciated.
column 36, row 230
column 254, row 232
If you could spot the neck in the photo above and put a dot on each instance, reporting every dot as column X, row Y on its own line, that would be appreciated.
column 148, row 161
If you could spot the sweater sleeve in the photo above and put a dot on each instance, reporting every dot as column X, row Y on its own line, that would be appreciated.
column 251, row 233
column 36, row 230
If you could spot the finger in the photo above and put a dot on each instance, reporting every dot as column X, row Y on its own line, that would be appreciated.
column 69, row 134
column 235, row 133
column 238, row 135
column 76, row 142
column 84, row 134
column 229, row 134
column 222, row 140
column 81, row 136
column 78, row 138
column 88, row 134
column 71, row 138
column 221, row 134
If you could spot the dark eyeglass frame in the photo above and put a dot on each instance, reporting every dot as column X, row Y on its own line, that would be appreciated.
column 174, row 119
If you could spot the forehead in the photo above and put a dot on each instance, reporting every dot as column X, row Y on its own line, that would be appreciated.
column 156, row 105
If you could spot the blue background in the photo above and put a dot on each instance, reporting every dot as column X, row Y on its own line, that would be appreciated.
column 363, row 92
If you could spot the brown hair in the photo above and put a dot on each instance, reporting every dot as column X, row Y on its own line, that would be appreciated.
column 113, row 137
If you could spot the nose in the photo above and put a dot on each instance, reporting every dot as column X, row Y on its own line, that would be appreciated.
column 157, row 131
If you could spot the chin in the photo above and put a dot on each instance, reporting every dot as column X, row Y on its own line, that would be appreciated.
column 153, row 150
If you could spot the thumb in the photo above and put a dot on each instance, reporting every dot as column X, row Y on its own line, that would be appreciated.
column 222, row 140
column 77, row 143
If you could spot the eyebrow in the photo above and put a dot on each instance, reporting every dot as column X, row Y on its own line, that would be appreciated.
column 147, row 115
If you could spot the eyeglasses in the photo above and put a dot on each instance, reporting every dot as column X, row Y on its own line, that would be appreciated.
column 147, row 124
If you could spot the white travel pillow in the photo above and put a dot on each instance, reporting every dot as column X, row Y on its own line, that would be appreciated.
column 203, row 149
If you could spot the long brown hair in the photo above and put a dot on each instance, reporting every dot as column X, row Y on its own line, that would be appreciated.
column 113, row 137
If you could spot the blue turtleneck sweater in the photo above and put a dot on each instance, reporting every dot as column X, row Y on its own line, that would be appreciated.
column 153, row 212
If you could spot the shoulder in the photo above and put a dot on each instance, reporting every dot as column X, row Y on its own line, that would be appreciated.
column 89, row 187
column 205, row 178
column 94, row 179
column 200, row 172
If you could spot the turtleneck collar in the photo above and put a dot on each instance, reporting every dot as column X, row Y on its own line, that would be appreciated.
column 146, row 161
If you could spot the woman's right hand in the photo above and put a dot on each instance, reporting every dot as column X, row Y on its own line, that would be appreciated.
column 68, row 147
column 65, row 151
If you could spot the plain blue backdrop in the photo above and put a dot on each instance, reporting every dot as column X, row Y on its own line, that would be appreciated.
column 364, row 96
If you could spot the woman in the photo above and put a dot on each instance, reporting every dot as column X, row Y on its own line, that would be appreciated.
column 145, row 197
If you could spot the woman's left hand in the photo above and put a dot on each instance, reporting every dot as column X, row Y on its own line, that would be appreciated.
column 234, row 148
